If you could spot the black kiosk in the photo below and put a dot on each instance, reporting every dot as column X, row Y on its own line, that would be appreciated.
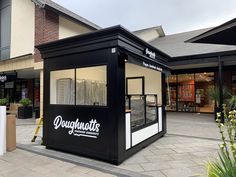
column 104, row 94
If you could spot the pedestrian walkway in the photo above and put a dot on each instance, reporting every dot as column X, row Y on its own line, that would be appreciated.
column 192, row 124
column 192, row 140
column 26, row 164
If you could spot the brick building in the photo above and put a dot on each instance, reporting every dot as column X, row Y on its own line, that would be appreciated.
column 25, row 24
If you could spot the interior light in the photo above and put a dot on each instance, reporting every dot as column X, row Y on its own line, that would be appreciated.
column 125, row 60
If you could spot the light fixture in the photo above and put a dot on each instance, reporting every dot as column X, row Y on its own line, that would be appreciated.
column 126, row 60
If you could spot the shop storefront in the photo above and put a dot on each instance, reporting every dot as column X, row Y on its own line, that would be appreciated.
column 189, row 91
column 15, row 88
column 104, row 94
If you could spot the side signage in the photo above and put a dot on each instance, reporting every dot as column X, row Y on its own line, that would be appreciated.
column 78, row 128
column 8, row 77
column 150, row 53
column 151, row 66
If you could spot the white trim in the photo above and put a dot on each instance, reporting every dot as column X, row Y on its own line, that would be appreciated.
column 127, row 131
column 160, row 118
column 143, row 134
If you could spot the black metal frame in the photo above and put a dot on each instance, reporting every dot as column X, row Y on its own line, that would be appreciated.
column 131, row 78
column 145, row 112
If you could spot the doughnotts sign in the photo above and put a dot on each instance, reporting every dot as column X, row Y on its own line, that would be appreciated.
column 148, row 65
column 76, row 128
column 149, row 53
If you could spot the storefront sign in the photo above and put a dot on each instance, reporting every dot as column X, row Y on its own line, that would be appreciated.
column 3, row 78
column 76, row 128
column 150, row 54
column 8, row 77
column 148, row 65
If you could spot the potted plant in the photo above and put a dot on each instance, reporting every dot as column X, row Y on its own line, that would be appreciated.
column 214, row 95
column 26, row 110
column 3, row 102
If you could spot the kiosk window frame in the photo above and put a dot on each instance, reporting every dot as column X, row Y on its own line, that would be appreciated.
column 105, row 83
column 143, row 96
column 74, row 69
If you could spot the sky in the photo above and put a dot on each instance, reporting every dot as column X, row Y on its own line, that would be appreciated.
column 174, row 16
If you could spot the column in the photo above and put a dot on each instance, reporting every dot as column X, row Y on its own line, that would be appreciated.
column 221, row 101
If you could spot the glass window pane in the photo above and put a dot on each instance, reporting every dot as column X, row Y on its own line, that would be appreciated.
column 151, row 108
column 171, row 79
column 62, row 87
column 186, row 92
column 137, row 111
column 91, row 86
column 135, row 86
column 203, row 83
column 171, row 82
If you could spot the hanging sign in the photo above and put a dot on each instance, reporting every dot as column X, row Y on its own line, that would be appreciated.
column 3, row 78
column 7, row 77
column 77, row 128
column 150, row 53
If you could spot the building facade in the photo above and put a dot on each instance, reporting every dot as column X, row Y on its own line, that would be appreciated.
column 25, row 24
column 196, row 69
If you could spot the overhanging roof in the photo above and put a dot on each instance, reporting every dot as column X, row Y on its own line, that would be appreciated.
column 223, row 34
column 116, row 36
column 175, row 45
column 48, row 4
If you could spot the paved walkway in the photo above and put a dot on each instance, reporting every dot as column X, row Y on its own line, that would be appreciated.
column 191, row 141
column 26, row 164
column 192, row 124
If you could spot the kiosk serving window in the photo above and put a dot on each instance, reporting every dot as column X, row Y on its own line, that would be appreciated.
column 62, row 87
column 143, row 94
column 91, row 86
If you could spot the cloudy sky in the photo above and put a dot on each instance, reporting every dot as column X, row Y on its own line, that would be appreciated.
column 174, row 15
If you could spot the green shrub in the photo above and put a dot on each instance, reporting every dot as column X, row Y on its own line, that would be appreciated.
column 225, row 166
column 25, row 102
column 3, row 102
column 232, row 102
column 214, row 94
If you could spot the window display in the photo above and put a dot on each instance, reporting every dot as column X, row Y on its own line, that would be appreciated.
column 188, row 92
column 62, row 87
column 91, row 86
